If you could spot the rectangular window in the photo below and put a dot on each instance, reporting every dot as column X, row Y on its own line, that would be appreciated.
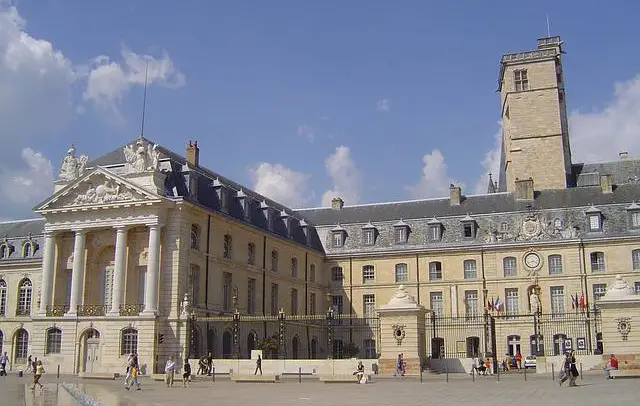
column 312, row 303
column 194, row 284
column 67, row 294
column 274, row 261
column 227, row 280
column 54, row 341
column 368, row 274
column 511, row 302
column 557, row 300
column 471, row 304
column 599, row 290
column 402, row 273
column 294, row 301
column 635, row 219
column 369, row 236
column 251, row 254
column 434, row 233
column 521, row 80
column 470, row 271
column 635, row 260
column 274, row 299
column 435, row 271
column 555, row 265
column 337, row 239
column 227, row 252
column 370, row 349
column 251, row 295
column 312, row 273
column 336, row 274
column 636, row 286
column 401, row 235
column 597, row 261
column 337, row 304
column 369, row 305
column 107, row 286
column 594, row 222
column 510, row 266
column 467, row 230
column 294, row 267
column 224, row 201
column 436, row 302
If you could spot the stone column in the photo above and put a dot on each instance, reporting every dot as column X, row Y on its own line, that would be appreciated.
column 117, row 299
column 402, row 331
column 153, row 272
column 48, row 266
column 77, row 272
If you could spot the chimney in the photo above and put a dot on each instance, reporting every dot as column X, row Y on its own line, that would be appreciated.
column 606, row 183
column 455, row 195
column 193, row 153
column 623, row 155
column 524, row 189
column 337, row 203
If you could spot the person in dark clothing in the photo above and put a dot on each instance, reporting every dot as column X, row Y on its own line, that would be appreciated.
column 258, row 365
column 186, row 375
column 209, row 364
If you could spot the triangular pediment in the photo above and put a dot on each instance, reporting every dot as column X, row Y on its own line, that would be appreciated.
column 98, row 188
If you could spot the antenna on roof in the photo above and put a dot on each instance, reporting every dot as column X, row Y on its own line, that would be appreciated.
column 144, row 99
column 548, row 28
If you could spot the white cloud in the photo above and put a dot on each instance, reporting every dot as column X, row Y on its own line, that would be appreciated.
column 109, row 81
column 31, row 184
column 435, row 179
column 281, row 184
column 599, row 135
column 383, row 105
column 306, row 131
column 345, row 176
column 490, row 164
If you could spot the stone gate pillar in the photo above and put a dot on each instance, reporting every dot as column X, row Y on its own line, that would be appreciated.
column 620, row 312
column 402, row 331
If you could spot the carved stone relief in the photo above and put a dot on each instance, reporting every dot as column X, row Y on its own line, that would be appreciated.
column 72, row 167
column 105, row 192
column 399, row 333
column 141, row 157
column 532, row 227
column 624, row 327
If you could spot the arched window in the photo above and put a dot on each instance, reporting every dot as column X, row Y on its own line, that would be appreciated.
column 129, row 341
column 509, row 266
column 26, row 250
column 402, row 273
column 195, row 237
column 274, row 261
column 5, row 250
column 21, row 346
column 470, row 271
column 24, row 298
column 3, row 297
column 54, row 340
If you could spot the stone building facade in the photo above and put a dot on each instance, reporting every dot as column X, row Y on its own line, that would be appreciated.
column 130, row 240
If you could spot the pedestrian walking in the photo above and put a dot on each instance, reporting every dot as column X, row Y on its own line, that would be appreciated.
column 258, row 365
column 38, row 371
column 169, row 371
column 186, row 376
column 4, row 359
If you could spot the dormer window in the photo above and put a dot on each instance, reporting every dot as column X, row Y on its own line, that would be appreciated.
column 594, row 219
column 338, row 236
column 286, row 219
column 469, row 227
column 400, row 232
column 634, row 215
column 264, row 207
column 245, row 203
column 224, row 200
column 369, row 234
column 434, row 230
column 221, row 194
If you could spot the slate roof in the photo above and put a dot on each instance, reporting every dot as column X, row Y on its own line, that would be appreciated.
column 479, row 204
column 16, row 233
column 178, row 184
column 622, row 170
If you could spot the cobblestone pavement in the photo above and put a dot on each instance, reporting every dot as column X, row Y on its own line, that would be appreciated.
column 593, row 389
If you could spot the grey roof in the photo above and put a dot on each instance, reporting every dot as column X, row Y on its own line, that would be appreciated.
column 17, row 233
column 479, row 204
column 22, row 228
column 178, row 183
column 622, row 170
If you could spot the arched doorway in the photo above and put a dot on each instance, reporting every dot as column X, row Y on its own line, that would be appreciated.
column 211, row 342
column 251, row 343
column 21, row 346
column 314, row 348
column 90, row 349
column 227, row 344
column 295, row 343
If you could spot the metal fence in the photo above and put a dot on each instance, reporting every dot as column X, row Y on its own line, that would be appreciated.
column 285, row 336
column 499, row 334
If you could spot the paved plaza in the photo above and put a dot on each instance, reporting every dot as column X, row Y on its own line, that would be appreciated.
column 537, row 390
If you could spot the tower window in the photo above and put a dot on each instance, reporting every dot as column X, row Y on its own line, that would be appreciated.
column 521, row 80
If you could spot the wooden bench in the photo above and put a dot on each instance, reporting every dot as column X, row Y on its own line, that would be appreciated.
column 341, row 378
column 625, row 373
column 266, row 378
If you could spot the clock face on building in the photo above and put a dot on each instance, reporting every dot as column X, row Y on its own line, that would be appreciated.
column 532, row 260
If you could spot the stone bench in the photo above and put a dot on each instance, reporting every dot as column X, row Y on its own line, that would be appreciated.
column 342, row 378
column 625, row 373
column 104, row 376
column 266, row 378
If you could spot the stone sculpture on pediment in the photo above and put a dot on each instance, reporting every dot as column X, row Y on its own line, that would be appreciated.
column 72, row 167
column 104, row 193
column 141, row 157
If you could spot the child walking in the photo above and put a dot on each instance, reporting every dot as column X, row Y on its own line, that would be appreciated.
column 36, row 376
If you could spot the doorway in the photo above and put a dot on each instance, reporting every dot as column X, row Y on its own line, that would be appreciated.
column 91, row 351
column 513, row 345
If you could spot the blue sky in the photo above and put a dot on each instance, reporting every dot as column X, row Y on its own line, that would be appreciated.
column 298, row 98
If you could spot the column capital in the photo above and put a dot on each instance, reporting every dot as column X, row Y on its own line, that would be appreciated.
column 79, row 230
column 156, row 226
column 121, row 228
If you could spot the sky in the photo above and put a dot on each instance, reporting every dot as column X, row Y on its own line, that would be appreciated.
column 372, row 101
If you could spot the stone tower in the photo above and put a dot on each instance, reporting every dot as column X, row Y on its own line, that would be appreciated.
column 535, row 132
